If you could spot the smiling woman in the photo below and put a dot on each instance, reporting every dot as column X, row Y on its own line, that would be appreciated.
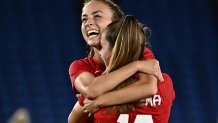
column 95, row 15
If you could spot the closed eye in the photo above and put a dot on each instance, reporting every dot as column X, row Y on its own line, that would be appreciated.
column 97, row 17
column 84, row 19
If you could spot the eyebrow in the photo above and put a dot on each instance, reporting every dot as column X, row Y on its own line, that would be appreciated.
column 85, row 15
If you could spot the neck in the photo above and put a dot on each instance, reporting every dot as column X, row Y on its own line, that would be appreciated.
column 97, row 55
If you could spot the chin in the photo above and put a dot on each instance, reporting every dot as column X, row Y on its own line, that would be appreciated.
column 97, row 46
column 93, row 42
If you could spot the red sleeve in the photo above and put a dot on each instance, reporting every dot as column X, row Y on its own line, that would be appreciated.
column 166, row 88
column 81, row 99
column 167, row 93
column 76, row 68
column 148, row 54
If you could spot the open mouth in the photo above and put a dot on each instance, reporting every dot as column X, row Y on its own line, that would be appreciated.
column 92, row 33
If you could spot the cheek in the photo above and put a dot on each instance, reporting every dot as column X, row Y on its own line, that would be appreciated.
column 103, row 25
column 107, row 56
column 103, row 55
column 83, row 32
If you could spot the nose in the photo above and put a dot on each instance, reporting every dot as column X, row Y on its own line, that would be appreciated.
column 90, row 21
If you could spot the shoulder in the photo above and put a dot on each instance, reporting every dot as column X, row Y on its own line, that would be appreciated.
column 166, row 89
column 81, row 64
column 148, row 54
column 88, row 64
column 78, row 67
column 86, row 60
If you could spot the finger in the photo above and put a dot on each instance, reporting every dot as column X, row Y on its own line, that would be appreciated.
column 78, row 95
column 85, row 110
column 159, row 74
column 161, row 77
column 90, row 114
column 84, row 101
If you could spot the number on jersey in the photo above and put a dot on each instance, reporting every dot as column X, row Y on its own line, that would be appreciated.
column 124, row 118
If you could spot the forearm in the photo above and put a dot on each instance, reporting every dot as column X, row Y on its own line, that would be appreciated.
column 107, row 82
column 92, row 87
column 77, row 115
column 134, row 92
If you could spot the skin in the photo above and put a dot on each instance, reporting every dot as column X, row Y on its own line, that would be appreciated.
column 95, row 17
column 105, row 51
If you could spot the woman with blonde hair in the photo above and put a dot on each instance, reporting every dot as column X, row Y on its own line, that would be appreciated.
column 123, row 42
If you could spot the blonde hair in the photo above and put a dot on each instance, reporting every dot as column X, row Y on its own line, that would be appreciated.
column 127, row 40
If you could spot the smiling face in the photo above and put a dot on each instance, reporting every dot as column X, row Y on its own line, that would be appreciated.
column 105, row 50
column 95, row 17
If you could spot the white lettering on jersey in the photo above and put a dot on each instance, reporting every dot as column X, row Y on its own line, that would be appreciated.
column 148, row 101
column 152, row 101
column 157, row 99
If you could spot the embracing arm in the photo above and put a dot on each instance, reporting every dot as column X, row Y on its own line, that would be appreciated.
column 145, row 87
column 91, row 86
column 137, row 91
column 77, row 114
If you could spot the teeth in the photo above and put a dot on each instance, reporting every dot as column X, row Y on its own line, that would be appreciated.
column 92, row 32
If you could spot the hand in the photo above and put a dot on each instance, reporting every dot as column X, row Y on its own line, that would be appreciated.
column 90, row 106
column 151, row 66
column 78, row 95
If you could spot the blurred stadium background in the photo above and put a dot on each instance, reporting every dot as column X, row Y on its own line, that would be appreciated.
column 40, row 38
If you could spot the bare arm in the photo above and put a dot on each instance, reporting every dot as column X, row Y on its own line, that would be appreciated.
column 77, row 114
column 91, row 86
column 145, row 87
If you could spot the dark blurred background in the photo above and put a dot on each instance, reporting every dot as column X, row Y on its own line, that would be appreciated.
column 40, row 38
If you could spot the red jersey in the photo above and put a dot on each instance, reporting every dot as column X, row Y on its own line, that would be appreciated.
column 89, row 64
column 155, row 109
